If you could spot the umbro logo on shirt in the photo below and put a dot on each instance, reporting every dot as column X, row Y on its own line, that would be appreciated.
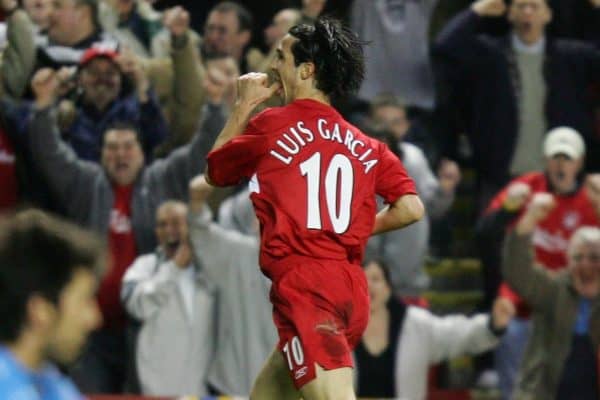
column 300, row 373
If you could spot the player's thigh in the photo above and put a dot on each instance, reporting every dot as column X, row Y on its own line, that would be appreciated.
column 274, row 381
column 335, row 384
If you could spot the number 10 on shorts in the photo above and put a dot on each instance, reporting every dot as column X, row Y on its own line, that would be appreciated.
column 293, row 353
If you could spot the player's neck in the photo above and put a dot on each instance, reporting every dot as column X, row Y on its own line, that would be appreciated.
column 312, row 94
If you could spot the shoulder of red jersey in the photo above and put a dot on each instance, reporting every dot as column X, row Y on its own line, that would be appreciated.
column 270, row 118
column 537, row 180
column 266, row 113
column 271, row 113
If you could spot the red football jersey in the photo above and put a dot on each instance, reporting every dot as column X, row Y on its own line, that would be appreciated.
column 313, row 179
column 551, row 236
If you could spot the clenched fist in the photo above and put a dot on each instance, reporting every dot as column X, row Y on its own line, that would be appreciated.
column 177, row 21
column 516, row 196
column 503, row 312
column 592, row 184
column 199, row 191
column 131, row 65
column 183, row 254
column 489, row 8
column 215, row 85
column 540, row 206
column 253, row 88
column 8, row 5
column 45, row 87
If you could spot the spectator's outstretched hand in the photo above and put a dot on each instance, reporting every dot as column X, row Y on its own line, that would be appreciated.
column 489, row 8
column 45, row 86
column 253, row 88
column 516, row 196
column 131, row 66
column 183, row 254
column 66, row 80
column 177, row 21
column 503, row 312
column 592, row 184
column 199, row 192
column 448, row 175
column 538, row 209
column 540, row 206
column 8, row 5
column 215, row 85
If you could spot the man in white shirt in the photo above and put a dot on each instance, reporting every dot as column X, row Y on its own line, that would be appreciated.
column 168, row 293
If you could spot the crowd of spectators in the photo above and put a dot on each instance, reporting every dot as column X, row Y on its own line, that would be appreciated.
column 108, row 109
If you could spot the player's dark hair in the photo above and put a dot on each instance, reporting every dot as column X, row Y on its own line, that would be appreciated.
column 38, row 256
column 336, row 52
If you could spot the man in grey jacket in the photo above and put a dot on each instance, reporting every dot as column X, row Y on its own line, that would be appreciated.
column 117, row 199
column 561, row 358
column 245, row 331
column 404, row 250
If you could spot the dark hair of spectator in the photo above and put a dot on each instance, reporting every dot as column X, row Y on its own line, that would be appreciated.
column 124, row 126
column 383, row 135
column 244, row 16
column 336, row 52
column 39, row 255
column 385, row 100
column 93, row 4
column 382, row 266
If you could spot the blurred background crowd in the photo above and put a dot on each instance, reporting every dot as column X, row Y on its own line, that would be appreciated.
column 109, row 107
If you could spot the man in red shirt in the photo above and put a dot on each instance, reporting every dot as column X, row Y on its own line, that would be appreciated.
column 577, row 204
column 313, row 180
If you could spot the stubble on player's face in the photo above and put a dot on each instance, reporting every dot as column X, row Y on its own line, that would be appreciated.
column 284, row 68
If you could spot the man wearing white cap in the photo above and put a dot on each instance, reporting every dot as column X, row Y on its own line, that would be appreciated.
column 577, row 199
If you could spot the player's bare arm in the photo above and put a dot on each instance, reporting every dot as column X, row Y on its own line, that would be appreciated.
column 407, row 210
column 253, row 89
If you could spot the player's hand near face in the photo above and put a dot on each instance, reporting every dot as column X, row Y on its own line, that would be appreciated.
column 253, row 89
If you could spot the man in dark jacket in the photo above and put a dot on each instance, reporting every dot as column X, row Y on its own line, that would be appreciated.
column 514, row 88
column 103, row 79
column 117, row 199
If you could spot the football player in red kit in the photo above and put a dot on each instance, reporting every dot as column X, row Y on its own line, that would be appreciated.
column 313, row 180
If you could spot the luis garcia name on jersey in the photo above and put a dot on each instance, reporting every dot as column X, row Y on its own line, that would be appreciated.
column 292, row 142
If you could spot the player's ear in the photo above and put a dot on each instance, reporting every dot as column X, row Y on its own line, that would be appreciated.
column 307, row 70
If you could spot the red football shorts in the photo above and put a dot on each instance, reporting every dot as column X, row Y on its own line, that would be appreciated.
column 320, row 309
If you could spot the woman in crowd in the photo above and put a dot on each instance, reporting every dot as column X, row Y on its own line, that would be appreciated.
column 401, row 342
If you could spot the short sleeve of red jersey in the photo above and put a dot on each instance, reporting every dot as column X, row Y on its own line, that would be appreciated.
column 497, row 201
column 238, row 158
column 392, row 181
